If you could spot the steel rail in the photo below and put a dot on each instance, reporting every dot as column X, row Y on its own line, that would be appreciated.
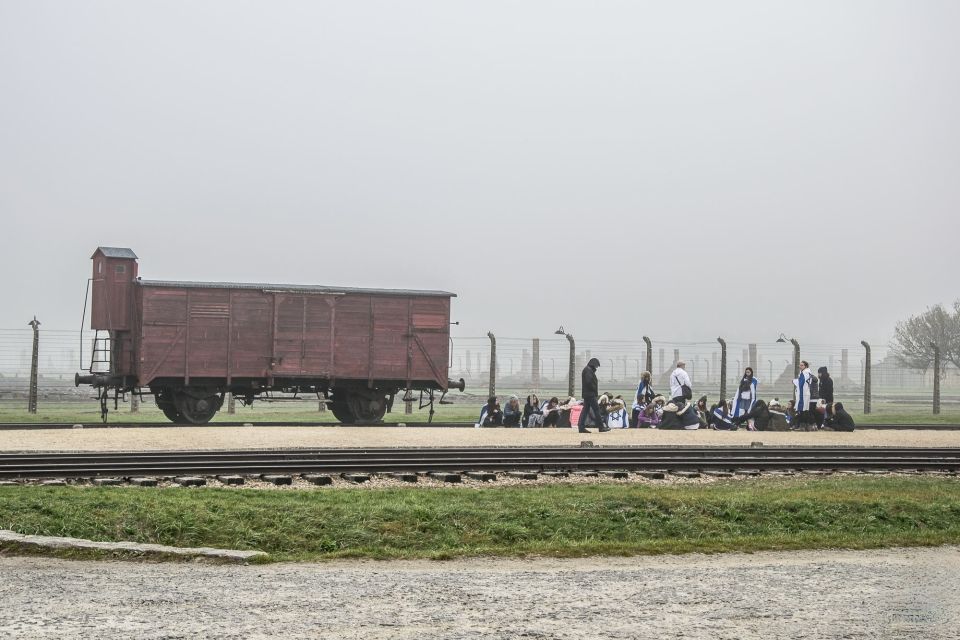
column 40, row 426
column 127, row 464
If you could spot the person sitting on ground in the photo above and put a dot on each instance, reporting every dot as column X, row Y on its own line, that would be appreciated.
column 688, row 416
column 652, row 413
column 838, row 419
column 566, row 412
column 512, row 412
column 617, row 414
column 645, row 394
column 604, row 403
column 761, row 418
column 722, row 419
column 703, row 412
column 679, row 417
column 791, row 413
column 490, row 414
column 551, row 413
column 532, row 413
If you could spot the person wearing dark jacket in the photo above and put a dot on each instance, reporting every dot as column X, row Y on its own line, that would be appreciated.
column 532, row 414
column 838, row 419
column 825, row 382
column 590, row 392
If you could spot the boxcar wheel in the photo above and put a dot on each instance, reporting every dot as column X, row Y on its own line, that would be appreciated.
column 164, row 400
column 196, row 406
column 367, row 409
column 341, row 411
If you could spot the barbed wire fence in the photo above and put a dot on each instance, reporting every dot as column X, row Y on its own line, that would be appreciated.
column 543, row 366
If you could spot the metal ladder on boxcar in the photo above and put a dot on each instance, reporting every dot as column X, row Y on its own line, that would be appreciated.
column 101, row 354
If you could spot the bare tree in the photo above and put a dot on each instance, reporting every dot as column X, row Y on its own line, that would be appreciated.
column 913, row 338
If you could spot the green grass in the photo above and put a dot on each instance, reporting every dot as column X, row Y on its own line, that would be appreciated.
column 555, row 520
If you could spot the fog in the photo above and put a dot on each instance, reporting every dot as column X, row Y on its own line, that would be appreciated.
column 682, row 170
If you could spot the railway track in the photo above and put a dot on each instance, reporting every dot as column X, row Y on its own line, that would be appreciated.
column 19, row 426
column 459, row 460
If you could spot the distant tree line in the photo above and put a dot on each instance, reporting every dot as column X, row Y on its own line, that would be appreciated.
column 914, row 338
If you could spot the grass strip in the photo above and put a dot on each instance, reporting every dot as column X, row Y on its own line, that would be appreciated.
column 553, row 520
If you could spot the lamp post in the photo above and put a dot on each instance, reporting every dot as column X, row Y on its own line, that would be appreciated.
column 573, row 357
column 796, row 357
column 646, row 341
column 867, row 397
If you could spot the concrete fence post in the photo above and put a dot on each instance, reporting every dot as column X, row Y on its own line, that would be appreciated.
column 535, row 368
column 723, row 368
column 649, row 360
column 796, row 359
column 492, row 387
column 867, row 399
column 936, row 379
column 232, row 405
column 573, row 365
column 34, row 363
column 134, row 403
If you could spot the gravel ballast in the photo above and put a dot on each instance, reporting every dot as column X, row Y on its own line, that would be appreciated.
column 901, row 593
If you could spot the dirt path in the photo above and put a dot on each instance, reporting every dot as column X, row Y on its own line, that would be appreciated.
column 272, row 437
column 900, row 593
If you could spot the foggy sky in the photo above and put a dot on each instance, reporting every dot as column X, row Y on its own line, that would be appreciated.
column 682, row 170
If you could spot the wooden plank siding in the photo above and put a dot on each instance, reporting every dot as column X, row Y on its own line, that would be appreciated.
column 226, row 334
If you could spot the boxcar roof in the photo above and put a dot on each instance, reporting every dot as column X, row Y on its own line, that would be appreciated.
column 115, row 252
column 305, row 288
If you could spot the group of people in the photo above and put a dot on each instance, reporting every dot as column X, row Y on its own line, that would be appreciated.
column 813, row 406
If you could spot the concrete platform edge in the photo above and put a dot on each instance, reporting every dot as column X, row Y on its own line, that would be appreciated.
column 52, row 542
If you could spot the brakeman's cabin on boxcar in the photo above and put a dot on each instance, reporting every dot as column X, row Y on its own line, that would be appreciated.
column 189, row 343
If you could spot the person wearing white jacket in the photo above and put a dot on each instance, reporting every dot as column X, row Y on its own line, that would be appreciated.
column 801, row 396
column 678, row 378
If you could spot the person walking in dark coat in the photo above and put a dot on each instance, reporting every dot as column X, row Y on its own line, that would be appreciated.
column 826, row 391
column 590, row 387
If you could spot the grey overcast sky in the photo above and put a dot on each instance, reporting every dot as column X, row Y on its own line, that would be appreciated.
column 677, row 169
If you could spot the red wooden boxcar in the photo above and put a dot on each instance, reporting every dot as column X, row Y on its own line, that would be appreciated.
column 191, row 342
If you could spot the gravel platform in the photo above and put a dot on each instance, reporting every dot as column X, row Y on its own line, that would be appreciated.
column 173, row 438
column 894, row 593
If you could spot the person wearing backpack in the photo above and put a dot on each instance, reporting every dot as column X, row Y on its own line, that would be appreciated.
column 825, row 391
column 681, row 388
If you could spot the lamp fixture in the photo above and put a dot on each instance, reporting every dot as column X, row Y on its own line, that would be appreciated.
column 782, row 338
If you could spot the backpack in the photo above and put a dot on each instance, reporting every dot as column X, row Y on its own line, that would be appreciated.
column 814, row 388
